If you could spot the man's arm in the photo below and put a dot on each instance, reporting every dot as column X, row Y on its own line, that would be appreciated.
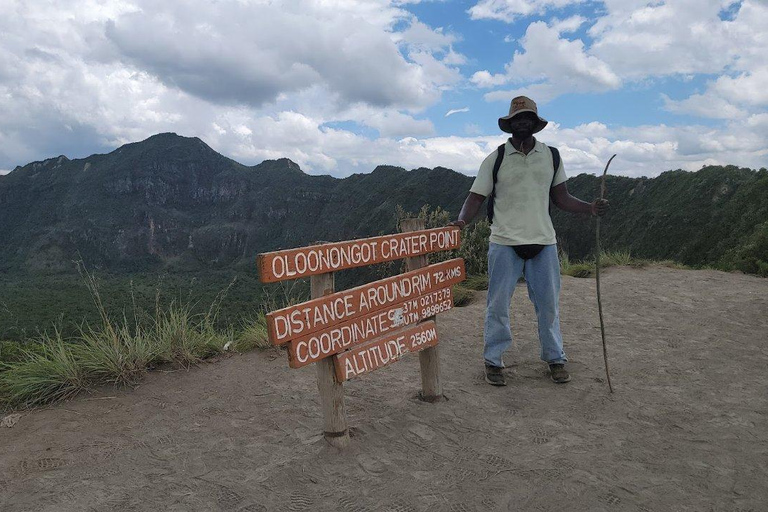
column 469, row 211
column 565, row 201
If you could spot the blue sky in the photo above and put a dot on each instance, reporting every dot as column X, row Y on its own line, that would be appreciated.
column 341, row 86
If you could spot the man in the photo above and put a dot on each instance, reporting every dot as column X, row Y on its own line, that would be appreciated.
column 522, row 236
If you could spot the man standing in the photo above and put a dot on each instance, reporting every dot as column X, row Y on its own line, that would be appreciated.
column 519, row 180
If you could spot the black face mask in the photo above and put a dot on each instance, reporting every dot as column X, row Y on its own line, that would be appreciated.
column 522, row 134
column 523, row 127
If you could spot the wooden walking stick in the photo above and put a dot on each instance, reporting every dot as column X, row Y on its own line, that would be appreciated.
column 597, row 277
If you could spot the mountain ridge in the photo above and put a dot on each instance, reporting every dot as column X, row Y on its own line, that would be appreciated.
column 172, row 202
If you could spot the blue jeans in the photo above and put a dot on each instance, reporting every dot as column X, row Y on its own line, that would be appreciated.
column 542, row 275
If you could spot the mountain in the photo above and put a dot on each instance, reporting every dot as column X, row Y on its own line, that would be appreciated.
column 173, row 202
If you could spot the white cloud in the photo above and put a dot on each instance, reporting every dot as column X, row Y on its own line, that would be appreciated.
column 704, row 105
column 456, row 111
column 420, row 34
column 511, row 10
column 84, row 75
column 285, row 83
column 651, row 149
column 355, row 57
column 485, row 79
column 549, row 65
column 388, row 122
column 547, row 55
column 634, row 40
column 568, row 25
column 642, row 151
column 727, row 97
column 639, row 39
column 472, row 129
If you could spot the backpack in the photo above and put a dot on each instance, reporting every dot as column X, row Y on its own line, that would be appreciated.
column 497, row 165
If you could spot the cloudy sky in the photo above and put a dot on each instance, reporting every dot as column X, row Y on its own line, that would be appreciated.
column 340, row 86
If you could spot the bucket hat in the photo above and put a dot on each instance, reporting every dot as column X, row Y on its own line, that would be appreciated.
column 519, row 105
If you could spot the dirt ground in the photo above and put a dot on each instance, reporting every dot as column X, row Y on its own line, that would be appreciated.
column 686, row 429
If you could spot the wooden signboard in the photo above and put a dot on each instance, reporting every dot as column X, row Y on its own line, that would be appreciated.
column 357, row 331
column 330, row 257
column 292, row 322
column 313, row 347
column 382, row 351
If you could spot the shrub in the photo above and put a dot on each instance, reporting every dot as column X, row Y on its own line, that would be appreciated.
column 184, row 338
column 113, row 354
column 474, row 238
column 619, row 258
column 476, row 282
column 474, row 247
column 253, row 334
column 462, row 296
column 580, row 270
column 48, row 374
column 752, row 256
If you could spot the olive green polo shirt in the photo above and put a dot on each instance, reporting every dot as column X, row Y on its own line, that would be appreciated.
column 521, row 204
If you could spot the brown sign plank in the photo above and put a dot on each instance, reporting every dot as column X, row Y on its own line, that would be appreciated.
column 292, row 322
column 313, row 347
column 330, row 257
column 384, row 350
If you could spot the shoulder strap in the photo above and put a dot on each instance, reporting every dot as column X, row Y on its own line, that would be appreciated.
column 496, row 167
column 555, row 162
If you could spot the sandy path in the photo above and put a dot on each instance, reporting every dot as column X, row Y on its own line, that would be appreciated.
column 687, row 428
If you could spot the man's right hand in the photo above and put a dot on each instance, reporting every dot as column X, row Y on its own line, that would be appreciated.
column 600, row 207
column 458, row 223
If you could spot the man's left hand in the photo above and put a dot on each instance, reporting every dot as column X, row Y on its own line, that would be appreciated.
column 600, row 207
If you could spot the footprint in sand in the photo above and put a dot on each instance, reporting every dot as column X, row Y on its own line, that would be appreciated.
column 44, row 464
column 540, row 436
column 300, row 502
column 227, row 498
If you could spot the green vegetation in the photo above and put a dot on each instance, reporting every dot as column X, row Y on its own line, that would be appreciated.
column 31, row 304
column 252, row 334
column 51, row 367
column 476, row 282
column 171, row 204
column 716, row 217
column 586, row 268
column 176, row 245
column 47, row 373
column 462, row 295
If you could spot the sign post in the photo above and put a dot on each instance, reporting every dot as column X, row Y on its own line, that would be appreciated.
column 335, row 428
column 354, row 332
column 429, row 358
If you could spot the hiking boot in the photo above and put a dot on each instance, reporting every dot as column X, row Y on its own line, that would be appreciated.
column 559, row 374
column 494, row 375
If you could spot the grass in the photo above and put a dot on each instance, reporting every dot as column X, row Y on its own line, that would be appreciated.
column 184, row 339
column 462, row 295
column 50, row 373
column 586, row 268
column 476, row 282
column 253, row 334
column 51, row 367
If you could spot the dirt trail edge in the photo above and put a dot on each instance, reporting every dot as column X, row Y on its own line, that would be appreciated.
column 687, row 428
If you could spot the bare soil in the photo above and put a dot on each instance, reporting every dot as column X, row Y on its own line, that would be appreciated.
column 686, row 429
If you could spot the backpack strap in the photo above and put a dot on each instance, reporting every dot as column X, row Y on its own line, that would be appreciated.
column 555, row 162
column 496, row 167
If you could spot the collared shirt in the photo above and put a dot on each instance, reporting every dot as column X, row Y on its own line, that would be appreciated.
column 521, row 203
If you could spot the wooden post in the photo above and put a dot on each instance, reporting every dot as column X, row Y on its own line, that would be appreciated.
column 429, row 359
column 335, row 428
